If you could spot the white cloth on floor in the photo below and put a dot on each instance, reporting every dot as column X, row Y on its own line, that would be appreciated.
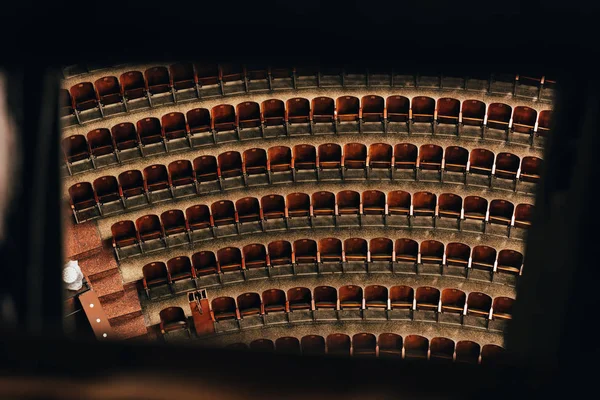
column 72, row 275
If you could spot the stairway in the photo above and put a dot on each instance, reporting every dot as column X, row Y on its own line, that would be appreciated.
column 97, row 261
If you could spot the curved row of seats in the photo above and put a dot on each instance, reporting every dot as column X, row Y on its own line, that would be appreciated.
column 273, row 118
column 321, row 210
column 182, row 81
column 303, row 163
column 307, row 256
column 351, row 302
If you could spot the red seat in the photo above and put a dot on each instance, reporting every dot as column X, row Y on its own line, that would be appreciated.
column 273, row 112
column 338, row 344
column 100, row 142
column 299, row 298
column 255, row 161
column 66, row 103
column 347, row 108
column 507, row 165
column 524, row 119
column 390, row 345
column 313, row 345
column 448, row 110
column 406, row 250
column 108, row 90
column 255, row 256
column 376, row 296
column 273, row 206
column 149, row 227
column 373, row 202
column 133, row 85
column 523, row 215
column 424, row 204
column 453, row 301
column 423, row 109
column 364, row 344
column 351, row 297
column 279, row 159
column 182, row 76
column 531, row 169
column 501, row 212
column 230, row 164
column 156, row 178
column 84, row 96
column 206, row 169
column 457, row 254
column 416, row 347
column 298, row 205
column 380, row 155
column 372, row 108
column 544, row 123
column 297, row 110
column 207, row 74
column 106, row 189
column 181, row 173
column 172, row 319
column 481, row 162
column 223, row 308
column 198, row 217
column 274, row 301
column 248, row 115
column 305, row 251
column 483, row 257
column 174, row 126
column 479, row 304
column 427, row 298
column 449, row 205
column 399, row 202
column 405, row 156
column 467, row 352
column 502, row 308
column 280, row 253
column 180, row 268
column 325, row 297
column 381, row 249
column 475, row 207
column 330, row 156
column 287, row 345
column 154, row 274
column 173, row 222
column 441, row 349
column 330, row 250
column 304, row 157
column 81, row 197
column 498, row 115
column 455, row 159
column 124, row 234
column 198, row 120
column 157, row 80
column 397, row 108
column 322, row 110
column 229, row 259
column 348, row 202
column 492, row 354
column 355, row 156
column 149, row 130
column 473, row 112
column 249, row 304
column 430, row 157
column 223, row 118
column 401, row 297
column 75, row 148
column 323, row 203
column 131, row 183
column 248, row 209
column 125, row 136
column 223, row 212
column 205, row 263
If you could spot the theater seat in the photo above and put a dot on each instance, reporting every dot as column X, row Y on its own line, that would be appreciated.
column 364, row 345
column 312, row 345
column 173, row 319
column 338, row 344
column 416, row 347
column 390, row 345
column 441, row 350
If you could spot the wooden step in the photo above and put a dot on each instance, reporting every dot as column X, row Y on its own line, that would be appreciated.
column 109, row 285
column 130, row 328
column 122, row 307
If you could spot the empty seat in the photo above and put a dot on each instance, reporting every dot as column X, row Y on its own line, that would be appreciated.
column 372, row 113
column 100, row 142
column 338, row 344
column 223, row 308
column 172, row 319
column 453, row 301
column 380, row 155
column 322, row 110
column 174, row 126
column 502, row 308
column 441, row 349
column 108, row 90
column 255, row 161
column 207, row 74
column 473, row 117
column 415, row 347
column 230, row 72
column 304, row 157
column 180, row 268
column 248, row 209
column 455, row 159
column 154, row 274
column 475, row 207
column 75, row 148
column 229, row 259
column 198, row 217
column 131, row 183
column 156, row 178
column 498, row 118
column 323, row 203
column 279, row 159
column 492, row 354
column 348, row 202
column 401, row 297
column 173, row 222
column 423, row 109
column 509, row 261
column 273, row 206
column 149, row 130
column 133, row 85
column 182, row 76
column 397, row 108
column 467, row 352
column 287, row 345
column 325, row 297
column 297, row 110
column 364, row 344
column 249, row 304
column 373, row 202
column 66, row 103
column 280, row 252
column 106, row 189
column 523, row 215
column 181, row 173
column 273, row 112
column 199, row 121
column 457, row 254
column 524, row 120
column 274, row 300
column 157, row 80
column 347, row 110
column 501, row 212
column 449, row 205
column 206, row 169
column 376, row 296
column 223, row 118
column 479, row 304
column 205, row 263
column 248, row 116
column 531, row 169
column 381, row 250
column 298, row 205
column 81, row 197
column 149, row 227
column 330, row 156
column 350, row 296
column 424, row 204
column 355, row 156
column 84, row 96
column 405, row 156
column 406, row 250
column 399, row 202
column 330, row 250
column 299, row 298
column 355, row 250
column 507, row 165
column 305, row 251
column 481, row 161
column 390, row 345
column 448, row 110
column 483, row 258
column 230, row 164
column 312, row 345
column 125, row 136
column 262, row 345
column 223, row 212
column 123, row 234
column 544, row 123
column 427, row 298
column 255, row 256
column 430, row 157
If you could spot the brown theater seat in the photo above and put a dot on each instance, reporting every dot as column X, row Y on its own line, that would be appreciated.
column 523, row 215
column 524, row 119
column 479, row 304
column 323, row 203
column 507, row 165
column 249, row 304
column 255, row 256
column 351, row 297
column 427, row 298
column 131, row 183
column 75, row 148
column 248, row 209
column 149, row 227
column 492, row 354
column 402, row 297
column 483, row 257
column 475, row 207
column 198, row 217
column 207, row 74
column 381, row 249
column 376, row 296
column 416, row 347
column 273, row 206
column 372, row 108
column 255, row 161
column 501, row 212
column 347, row 108
column 172, row 319
column 133, row 85
column 430, row 157
column 355, row 156
column 124, row 234
column 181, row 173
column 544, row 123
column 406, row 250
column 473, row 112
column 390, row 345
column 248, row 115
column 453, row 301
column 348, row 202
column 297, row 110
column 100, row 142
column 449, row 205
column 173, row 222
column 510, row 261
column 457, row 254
column 397, row 108
column 223, row 308
column 154, row 274
column 325, row 297
column 223, row 212
column 399, row 202
column 467, row 352
column 287, row 345
column 174, row 126
column 229, row 259
column 205, row 263
column 364, row 344
column 423, row 109
column 230, row 164
column 84, row 96
column 448, row 110
column 106, row 189
column 405, row 156
column 338, row 344
column 149, row 130
column 305, row 157
column 330, row 156
column 424, row 204
column 298, row 204
column 481, row 162
column 373, row 202
column 206, row 169
column 81, row 196
column 125, row 136
column 455, row 159
column 279, row 159
column 330, row 250
column 280, row 253
column 274, row 301
column 198, row 120
column 156, row 178
column 180, row 268
column 441, row 349
column 108, row 90
column 498, row 115
column 182, row 76
column 380, row 155
column 273, row 112
column 299, row 298
column 305, row 251
column 312, row 345
column 157, row 80
column 223, row 117
column 322, row 109
column 531, row 169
